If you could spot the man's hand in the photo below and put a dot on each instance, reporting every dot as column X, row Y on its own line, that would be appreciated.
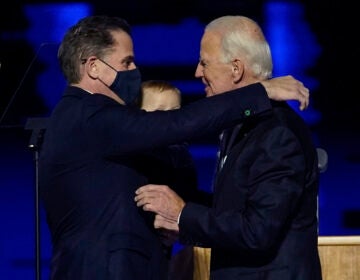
column 163, row 201
column 287, row 88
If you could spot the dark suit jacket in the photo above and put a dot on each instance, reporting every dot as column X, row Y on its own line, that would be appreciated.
column 174, row 166
column 88, row 178
column 263, row 223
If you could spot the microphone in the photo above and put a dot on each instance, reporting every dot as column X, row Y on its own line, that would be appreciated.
column 12, row 99
column 38, row 125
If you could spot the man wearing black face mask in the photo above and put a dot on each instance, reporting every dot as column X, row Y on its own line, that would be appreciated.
column 126, row 84
column 87, row 171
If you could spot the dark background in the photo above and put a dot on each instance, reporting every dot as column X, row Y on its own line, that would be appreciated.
column 166, row 38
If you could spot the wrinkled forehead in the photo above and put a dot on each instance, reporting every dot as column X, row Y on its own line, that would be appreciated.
column 210, row 45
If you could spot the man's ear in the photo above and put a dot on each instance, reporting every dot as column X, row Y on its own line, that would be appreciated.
column 92, row 67
column 237, row 70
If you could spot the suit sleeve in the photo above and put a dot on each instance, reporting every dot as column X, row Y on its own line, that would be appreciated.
column 255, row 217
column 120, row 129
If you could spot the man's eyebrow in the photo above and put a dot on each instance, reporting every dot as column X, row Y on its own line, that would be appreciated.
column 127, row 58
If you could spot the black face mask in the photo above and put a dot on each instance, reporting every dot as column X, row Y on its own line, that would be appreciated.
column 126, row 84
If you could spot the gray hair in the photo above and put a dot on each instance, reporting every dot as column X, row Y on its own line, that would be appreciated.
column 243, row 38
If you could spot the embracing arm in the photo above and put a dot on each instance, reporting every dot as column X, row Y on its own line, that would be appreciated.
column 287, row 88
column 121, row 128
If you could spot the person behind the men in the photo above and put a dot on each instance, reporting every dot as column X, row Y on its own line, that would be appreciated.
column 263, row 220
column 87, row 173
column 172, row 165
column 159, row 95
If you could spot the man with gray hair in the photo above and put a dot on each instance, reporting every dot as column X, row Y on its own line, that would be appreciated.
column 263, row 220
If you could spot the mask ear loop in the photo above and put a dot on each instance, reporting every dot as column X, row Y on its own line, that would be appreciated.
column 103, row 61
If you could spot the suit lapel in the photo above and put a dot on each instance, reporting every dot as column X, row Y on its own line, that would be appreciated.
column 228, row 144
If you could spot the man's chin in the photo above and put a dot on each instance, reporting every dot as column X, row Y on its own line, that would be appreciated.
column 208, row 92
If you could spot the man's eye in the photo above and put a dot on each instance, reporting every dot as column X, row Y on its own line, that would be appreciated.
column 128, row 63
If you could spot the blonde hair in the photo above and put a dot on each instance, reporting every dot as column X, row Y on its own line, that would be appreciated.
column 152, row 87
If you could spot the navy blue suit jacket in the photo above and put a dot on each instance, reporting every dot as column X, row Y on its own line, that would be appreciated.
column 88, row 178
column 263, row 222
